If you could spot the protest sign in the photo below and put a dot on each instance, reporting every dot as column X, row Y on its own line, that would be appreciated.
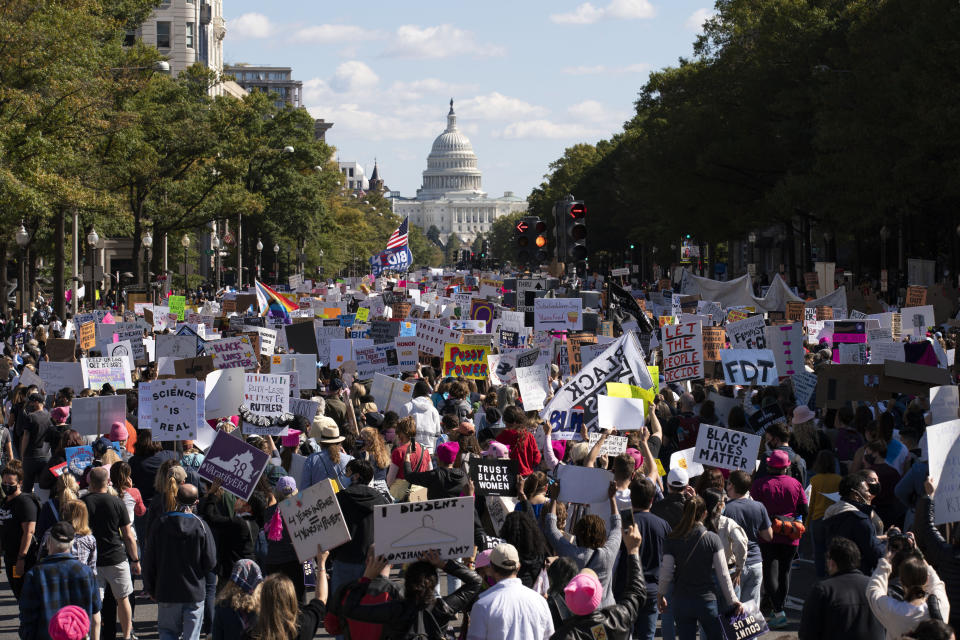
column 842, row 383
column 747, row 334
column 766, row 416
column 583, row 485
column 475, row 326
column 558, row 314
column 29, row 379
column 612, row 445
column 61, row 349
column 324, row 336
column 465, row 361
column 726, row 448
column 94, row 416
column 79, row 459
column 916, row 320
column 230, row 353
column 745, row 626
column 178, row 305
column 494, row 477
column 943, row 449
column 87, row 333
column 174, row 346
column 621, row 414
column 384, row 331
column 682, row 352
column 175, row 407
column 306, row 408
column 714, row 340
column 198, row 368
column 794, row 311
column 100, row 371
column 574, row 343
column 482, row 310
column 403, row 532
column 804, row 386
column 722, row 405
column 786, row 342
column 749, row 366
column 390, row 394
column 379, row 358
column 433, row 336
column 916, row 296
column 534, row 386
column 683, row 459
column 58, row 375
column 622, row 361
column 407, row 354
column 314, row 520
column 883, row 350
column 303, row 363
column 944, row 403
column 224, row 393
column 236, row 464
column 267, row 398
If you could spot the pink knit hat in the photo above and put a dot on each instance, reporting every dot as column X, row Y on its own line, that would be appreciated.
column 59, row 415
column 447, row 452
column 69, row 623
column 583, row 594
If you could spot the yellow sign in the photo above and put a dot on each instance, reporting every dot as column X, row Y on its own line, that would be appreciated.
column 621, row 390
column 655, row 374
column 465, row 360
column 660, row 468
column 362, row 314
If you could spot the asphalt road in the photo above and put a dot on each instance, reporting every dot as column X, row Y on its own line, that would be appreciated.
column 145, row 616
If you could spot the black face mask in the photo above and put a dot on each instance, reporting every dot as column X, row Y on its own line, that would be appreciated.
column 9, row 489
column 874, row 488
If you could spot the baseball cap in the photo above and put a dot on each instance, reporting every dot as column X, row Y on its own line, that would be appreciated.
column 69, row 623
column 62, row 531
column 778, row 460
column 583, row 594
column 246, row 575
column 286, row 485
column 497, row 450
column 678, row 478
column 447, row 452
column 505, row 556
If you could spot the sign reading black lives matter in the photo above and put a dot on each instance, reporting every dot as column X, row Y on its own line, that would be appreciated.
column 726, row 448
column 495, row 477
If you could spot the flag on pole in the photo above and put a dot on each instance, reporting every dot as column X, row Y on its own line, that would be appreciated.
column 397, row 256
column 399, row 237
column 270, row 300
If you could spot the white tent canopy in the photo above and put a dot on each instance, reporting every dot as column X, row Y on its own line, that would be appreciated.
column 739, row 293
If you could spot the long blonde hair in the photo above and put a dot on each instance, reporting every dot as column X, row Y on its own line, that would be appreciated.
column 278, row 609
column 110, row 456
column 176, row 476
column 239, row 600
column 67, row 489
column 373, row 444
column 75, row 512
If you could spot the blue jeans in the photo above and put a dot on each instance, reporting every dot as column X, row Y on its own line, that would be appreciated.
column 818, row 530
column 645, row 628
column 209, row 601
column 667, row 626
column 177, row 620
column 750, row 581
column 689, row 611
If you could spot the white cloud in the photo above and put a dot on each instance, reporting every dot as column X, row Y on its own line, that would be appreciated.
column 584, row 70
column 594, row 112
column 333, row 34
column 551, row 130
column 496, row 106
column 250, row 26
column 417, row 89
column 371, row 124
column 441, row 41
column 588, row 13
column 353, row 77
column 697, row 18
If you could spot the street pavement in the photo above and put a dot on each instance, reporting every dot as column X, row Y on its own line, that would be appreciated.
column 145, row 616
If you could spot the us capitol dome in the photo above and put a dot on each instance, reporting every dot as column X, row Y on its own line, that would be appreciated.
column 451, row 196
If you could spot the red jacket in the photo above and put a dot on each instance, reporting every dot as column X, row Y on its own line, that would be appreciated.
column 523, row 449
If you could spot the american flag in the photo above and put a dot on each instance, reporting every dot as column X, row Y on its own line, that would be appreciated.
column 399, row 237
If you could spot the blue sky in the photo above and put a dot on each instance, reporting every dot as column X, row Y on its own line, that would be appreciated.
column 529, row 77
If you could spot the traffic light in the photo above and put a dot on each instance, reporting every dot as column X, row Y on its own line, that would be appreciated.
column 485, row 250
column 531, row 240
column 541, row 241
column 575, row 226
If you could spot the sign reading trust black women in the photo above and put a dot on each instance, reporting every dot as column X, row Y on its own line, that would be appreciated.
column 495, row 477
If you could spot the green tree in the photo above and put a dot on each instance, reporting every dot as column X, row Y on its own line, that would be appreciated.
column 454, row 244
column 433, row 235
column 501, row 236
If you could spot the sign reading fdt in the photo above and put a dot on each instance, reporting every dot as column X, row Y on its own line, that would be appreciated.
column 749, row 366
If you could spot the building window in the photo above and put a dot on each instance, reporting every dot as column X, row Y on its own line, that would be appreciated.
column 129, row 38
column 163, row 35
column 350, row 172
column 189, row 35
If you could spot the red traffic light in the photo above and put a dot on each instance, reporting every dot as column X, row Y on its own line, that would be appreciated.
column 541, row 226
column 522, row 227
column 578, row 210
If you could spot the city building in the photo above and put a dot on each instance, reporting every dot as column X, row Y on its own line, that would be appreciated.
column 451, row 197
column 275, row 80
column 376, row 182
column 354, row 177
column 186, row 32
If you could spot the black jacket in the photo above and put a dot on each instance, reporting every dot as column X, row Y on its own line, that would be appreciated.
column 849, row 520
column 837, row 609
column 357, row 503
column 670, row 508
column 440, row 482
column 617, row 620
column 399, row 617
column 180, row 552
column 944, row 557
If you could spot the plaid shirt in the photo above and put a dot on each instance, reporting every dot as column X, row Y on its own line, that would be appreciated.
column 53, row 583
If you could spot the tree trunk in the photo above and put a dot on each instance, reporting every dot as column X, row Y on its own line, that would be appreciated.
column 4, row 285
column 59, row 264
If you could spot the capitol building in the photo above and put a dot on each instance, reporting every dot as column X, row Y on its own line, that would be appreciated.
column 451, row 197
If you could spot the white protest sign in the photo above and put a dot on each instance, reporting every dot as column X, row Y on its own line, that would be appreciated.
column 230, row 353
column 804, row 386
column 431, row 336
column 684, row 460
column 266, row 396
column 100, row 371
column 682, row 352
column 583, row 485
column 57, row 375
column 747, row 334
column 612, row 446
column 389, row 393
column 558, row 314
column 944, row 402
column 786, row 342
column 404, row 531
column 174, row 408
column 303, row 363
column 177, row 347
column 749, row 366
column 325, row 335
column 883, row 350
column 122, row 349
column 726, row 448
column 379, row 358
column 407, row 355
column 29, row 379
column 943, row 447
column 621, row 414
column 224, row 393
column 93, row 416
column 534, row 386
column 313, row 519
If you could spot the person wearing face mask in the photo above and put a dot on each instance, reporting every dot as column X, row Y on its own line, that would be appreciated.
column 888, row 507
column 850, row 518
column 18, row 520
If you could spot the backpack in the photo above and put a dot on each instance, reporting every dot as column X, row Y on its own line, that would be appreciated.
column 426, row 627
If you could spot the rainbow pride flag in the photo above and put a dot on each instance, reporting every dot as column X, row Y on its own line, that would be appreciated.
column 270, row 300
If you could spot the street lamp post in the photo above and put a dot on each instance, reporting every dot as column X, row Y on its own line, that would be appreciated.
column 147, row 242
column 320, row 254
column 276, row 263
column 215, row 245
column 752, row 238
column 23, row 239
column 259, row 256
column 185, row 243
column 93, row 239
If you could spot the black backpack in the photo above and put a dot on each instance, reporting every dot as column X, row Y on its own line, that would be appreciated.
column 426, row 627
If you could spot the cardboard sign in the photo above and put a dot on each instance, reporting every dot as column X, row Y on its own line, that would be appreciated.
column 62, row 349
column 313, row 519
column 916, row 296
column 558, row 314
column 726, row 448
column 621, row 414
column 87, row 333
column 236, row 464
column 786, row 342
column 197, row 368
column 465, row 361
column 58, row 375
column 749, row 366
column 714, row 341
column 583, row 485
column 267, row 396
column 534, row 386
column 100, row 371
column 231, row 353
column 747, row 334
column 911, row 379
column 175, row 406
column 493, row 477
column 403, row 532
column 574, row 343
column 839, row 384
column 682, row 352
column 794, row 311
column 389, row 393
column 94, row 416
